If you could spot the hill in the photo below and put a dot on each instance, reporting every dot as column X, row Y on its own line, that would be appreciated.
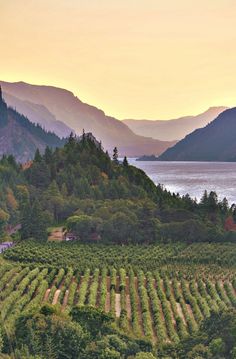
column 70, row 110
column 215, row 142
column 135, row 278
column 19, row 137
column 38, row 114
column 175, row 129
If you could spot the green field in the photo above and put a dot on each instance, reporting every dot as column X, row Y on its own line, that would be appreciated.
column 161, row 293
column 149, row 257
column 152, row 305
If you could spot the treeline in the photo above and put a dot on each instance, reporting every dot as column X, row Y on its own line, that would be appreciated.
column 99, row 198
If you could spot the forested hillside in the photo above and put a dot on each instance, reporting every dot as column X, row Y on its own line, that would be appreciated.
column 19, row 137
column 100, row 199
column 215, row 142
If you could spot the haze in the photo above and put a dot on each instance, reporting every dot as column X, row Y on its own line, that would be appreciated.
column 134, row 59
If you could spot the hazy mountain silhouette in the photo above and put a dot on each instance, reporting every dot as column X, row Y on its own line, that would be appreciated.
column 20, row 137
column 67, row 108
column 215, row 142
column 176, row 129
column 38, row 114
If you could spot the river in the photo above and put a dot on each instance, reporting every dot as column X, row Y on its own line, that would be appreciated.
column 193, row 177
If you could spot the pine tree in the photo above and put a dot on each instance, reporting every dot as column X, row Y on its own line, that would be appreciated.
column 125, row 162
column 33, row 222
column 48, row 155
column 83, row 136
column 3, row 111
column 115, row 155
column 37, row 156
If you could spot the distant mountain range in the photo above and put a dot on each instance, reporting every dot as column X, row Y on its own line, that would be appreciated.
column 173, row 130
column 20, row 137
column 38, row 114
column 60, row 111
column 215, row 142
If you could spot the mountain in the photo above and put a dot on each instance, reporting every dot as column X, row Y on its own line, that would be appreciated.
column 176, row 129
column 19, row 137
column 214, row 142
column 38, row 114
column 67, row 108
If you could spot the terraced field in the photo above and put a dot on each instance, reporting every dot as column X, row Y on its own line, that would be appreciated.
column 154, row 305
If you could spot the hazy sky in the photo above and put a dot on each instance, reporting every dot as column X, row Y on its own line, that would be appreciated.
column 154, row 59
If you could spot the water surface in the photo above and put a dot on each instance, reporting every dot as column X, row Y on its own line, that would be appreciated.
column 193, row 177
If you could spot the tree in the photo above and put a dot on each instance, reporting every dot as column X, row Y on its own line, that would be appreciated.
column 4, row 217
column 125, row 162
column 3, row 111
column 48, row 155
column 120, row 228
column 93, row 320
column 143, row 355
column 1, row 340
column 54, row 334
column 115, row 156
column 84, row 226
column 217, row 347
column 37, row 156
column 53, row 200
column 34, row 222
column 39, row 174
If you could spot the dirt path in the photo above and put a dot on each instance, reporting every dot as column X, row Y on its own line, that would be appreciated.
column 65, row 300
column 98, row 291
column 80, row 280
column 108, row 296
column 128, row 306
column 140, row 318
column 57, row 234
column 127, row 298
column 162, row 313
column 190, row 312
column 108, row 303
column 180, row 312
column 46, row 294
column 117, row 305
column 154, row 334
column 56, row 295
column 117, row 284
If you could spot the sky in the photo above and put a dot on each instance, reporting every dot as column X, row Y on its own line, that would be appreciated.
column 143, row 59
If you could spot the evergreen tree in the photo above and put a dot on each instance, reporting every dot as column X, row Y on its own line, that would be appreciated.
column 37, row 156
column 83, row 136
column 125, row 162
column 34, row 222
column 115, row 156
column 48, row 155
column 3, row 111
column 1, row 340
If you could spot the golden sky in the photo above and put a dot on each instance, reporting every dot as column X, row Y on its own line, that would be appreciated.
column 155, row 59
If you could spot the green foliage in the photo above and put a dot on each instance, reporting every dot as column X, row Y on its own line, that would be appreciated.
column 143, row 355
column 34, row 222
column 82, row 256
column 44, row 334
column 84, row 226
column 121, row 203
column 91, row 319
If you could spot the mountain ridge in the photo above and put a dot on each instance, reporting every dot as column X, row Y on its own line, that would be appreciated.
column 214, row 142
column 78, row 115
column 21, row 138
column 174, row 129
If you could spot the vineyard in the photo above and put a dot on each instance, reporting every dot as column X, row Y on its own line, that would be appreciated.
column 161, row 306
column 150, row 257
